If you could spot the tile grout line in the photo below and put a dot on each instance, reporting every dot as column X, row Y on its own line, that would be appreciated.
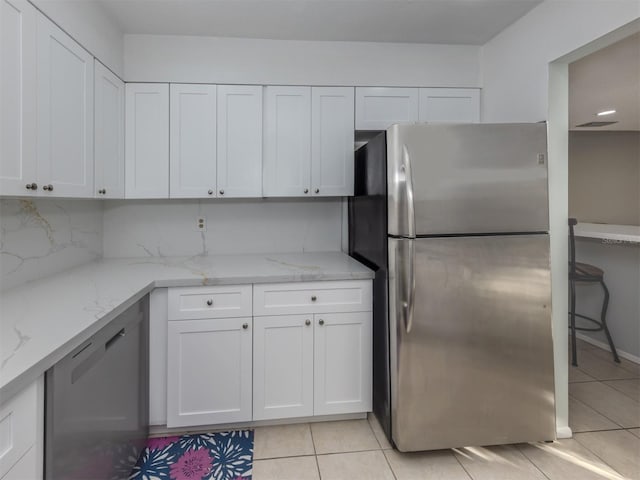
column 622, row 427
column 617, row 389
column 315, row 452
column 461, row 465
column 598, row 456
column 532, row 462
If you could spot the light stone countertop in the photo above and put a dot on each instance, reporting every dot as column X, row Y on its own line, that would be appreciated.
column 43, row 321
column 605, row 231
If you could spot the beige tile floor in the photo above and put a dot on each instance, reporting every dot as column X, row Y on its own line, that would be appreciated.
column 604, row 414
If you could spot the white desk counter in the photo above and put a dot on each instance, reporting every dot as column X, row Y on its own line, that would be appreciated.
column 605, row 231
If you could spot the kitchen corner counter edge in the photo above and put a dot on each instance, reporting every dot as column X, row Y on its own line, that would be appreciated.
column 44, row 320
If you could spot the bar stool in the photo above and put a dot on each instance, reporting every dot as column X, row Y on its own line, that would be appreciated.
column 585, row 273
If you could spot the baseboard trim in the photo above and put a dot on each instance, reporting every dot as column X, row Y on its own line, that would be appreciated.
column 564, row 432
column 156, row 430
column 605, row 346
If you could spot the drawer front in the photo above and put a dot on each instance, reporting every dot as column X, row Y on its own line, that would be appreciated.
column 312, row 297
column 18, row 427
column 226, row 301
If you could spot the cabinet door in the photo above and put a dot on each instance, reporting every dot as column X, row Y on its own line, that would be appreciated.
column 239, row 141
column 17, row 97
column 287, row 142
column 342, row 363
column 450, row 105
column 147, row 140
column 209, row 371
column 377, row 108
column 193, row 141
column 109, row 133
column 332, row 141
column 283, row 367
column 65, row 114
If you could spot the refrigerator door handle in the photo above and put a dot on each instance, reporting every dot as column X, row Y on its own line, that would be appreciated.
column 406, row 175
column 408, row 282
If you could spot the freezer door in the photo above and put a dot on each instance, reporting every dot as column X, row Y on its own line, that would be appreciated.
column 462, row 179
column 471, row 347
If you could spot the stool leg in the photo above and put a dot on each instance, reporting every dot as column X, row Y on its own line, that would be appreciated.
column 574, row 353
column 603, row 319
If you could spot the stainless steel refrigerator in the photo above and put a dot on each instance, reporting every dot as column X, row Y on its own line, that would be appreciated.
column 454, row 220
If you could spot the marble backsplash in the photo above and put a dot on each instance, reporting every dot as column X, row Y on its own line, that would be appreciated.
column 134, row 228
column 45, row 236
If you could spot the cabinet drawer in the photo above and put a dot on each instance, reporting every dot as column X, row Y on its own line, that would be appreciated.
column 226, row 301
column 18, row 427
column 312, row 297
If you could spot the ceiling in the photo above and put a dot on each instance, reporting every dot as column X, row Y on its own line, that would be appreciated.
column 465, row 22
column 608, row 79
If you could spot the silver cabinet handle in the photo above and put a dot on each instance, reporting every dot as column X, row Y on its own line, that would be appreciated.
column 31, row 186
column 314, row 298
column 210, row 192
column 306, row 190
column 48, row 187
column 209, row 302
column 245, row 325
column 102, row 191
column 321, row 322
column 307, row 322
column 317, row 190
column 221, row 192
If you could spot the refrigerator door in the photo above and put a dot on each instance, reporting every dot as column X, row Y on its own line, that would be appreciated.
column 471, row 347
column 466, row 179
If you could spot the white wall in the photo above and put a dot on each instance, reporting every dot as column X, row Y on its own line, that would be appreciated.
column 168, row 227
column 236, row 60
column 515, row 62
column 43, row 237
column 90, row 25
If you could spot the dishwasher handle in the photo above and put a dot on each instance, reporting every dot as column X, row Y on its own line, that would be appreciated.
column 114, row 339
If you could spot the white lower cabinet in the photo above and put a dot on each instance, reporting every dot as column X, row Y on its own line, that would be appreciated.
column 342, row 364
column 307, row 351
column 283, row 367
column 209, row 371
column 22, row 434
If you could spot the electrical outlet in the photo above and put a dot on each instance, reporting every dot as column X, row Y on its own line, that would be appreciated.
column 201, row 224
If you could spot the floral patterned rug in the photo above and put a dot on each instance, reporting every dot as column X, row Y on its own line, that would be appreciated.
column 208, row 456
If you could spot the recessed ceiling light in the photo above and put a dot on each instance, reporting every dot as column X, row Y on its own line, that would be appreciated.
column 606, row 112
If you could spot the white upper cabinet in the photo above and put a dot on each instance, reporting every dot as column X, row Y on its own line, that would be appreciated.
column 147, row 140
column 239, row 141
column 308, row 141
column 17, row 98
column 332, row 127
column 377, row 108
column 108, row 133
column 287, row 141
column 450, row 105
column 193, row 141
column 65, row 114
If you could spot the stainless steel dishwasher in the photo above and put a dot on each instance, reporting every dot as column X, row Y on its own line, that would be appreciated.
column 96, row 411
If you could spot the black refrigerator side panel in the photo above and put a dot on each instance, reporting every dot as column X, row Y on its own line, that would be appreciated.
column 368, row 244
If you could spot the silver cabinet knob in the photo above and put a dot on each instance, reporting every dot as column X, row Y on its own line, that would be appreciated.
column 102, row 191
column 210, row 192
column 321, row 322
column 314, row 298
column 317, row 190
column 307, row 322
column 31, row 186
column 209, row 302
column 245, row 325
column 306, row 190
column 48, row 187
column 221, row 192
